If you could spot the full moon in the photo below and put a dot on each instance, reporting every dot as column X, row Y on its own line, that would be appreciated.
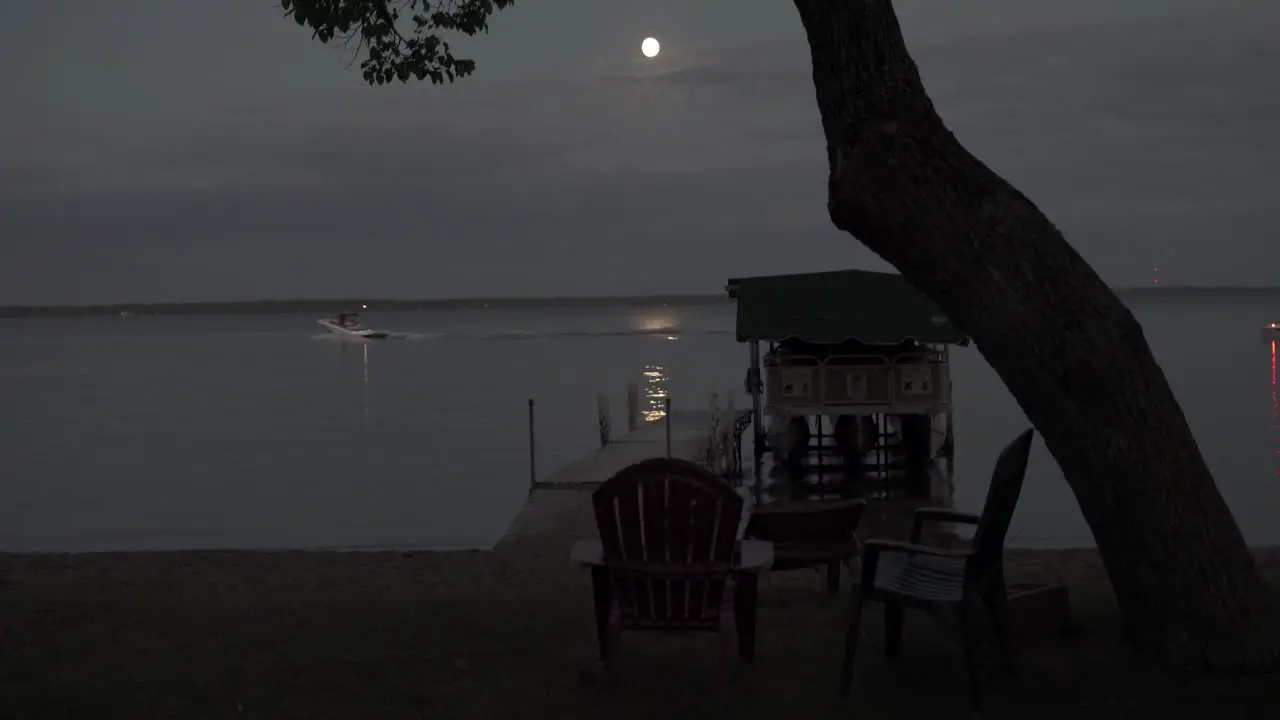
column 650, row 47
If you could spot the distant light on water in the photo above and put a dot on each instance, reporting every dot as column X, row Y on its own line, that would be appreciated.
column 655, row 323
column 655, row 392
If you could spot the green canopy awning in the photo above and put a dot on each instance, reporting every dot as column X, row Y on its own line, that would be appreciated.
column 873, row 308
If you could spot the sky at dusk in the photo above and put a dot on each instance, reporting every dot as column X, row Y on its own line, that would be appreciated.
column 163, row 150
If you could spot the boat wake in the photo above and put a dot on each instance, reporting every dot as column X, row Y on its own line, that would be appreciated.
column 664, row 334
column 334, row 337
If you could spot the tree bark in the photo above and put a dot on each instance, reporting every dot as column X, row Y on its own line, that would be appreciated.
column 1068, row 349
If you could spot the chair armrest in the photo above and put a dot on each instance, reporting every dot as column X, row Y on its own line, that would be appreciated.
column 936, row 514
column 872, row 548
column 875, row 547
column 754, row 556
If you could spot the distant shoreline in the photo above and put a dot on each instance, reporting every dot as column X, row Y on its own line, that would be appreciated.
column 335, row 305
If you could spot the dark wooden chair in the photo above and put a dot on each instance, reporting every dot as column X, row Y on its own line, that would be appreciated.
column 808, row 534
column 668, row 558
column 950, row 583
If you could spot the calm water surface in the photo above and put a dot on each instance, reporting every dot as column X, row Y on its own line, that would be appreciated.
column 230, row 432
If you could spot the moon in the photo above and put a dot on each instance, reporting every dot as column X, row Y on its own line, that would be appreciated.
column 650, row 47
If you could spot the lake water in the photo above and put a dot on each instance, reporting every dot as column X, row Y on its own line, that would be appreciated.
column 251, row 432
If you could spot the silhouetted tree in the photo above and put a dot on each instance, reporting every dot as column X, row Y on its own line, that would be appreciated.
column 1068, row 349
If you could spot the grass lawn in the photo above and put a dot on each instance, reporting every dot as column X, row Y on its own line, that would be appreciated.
column 505, row 635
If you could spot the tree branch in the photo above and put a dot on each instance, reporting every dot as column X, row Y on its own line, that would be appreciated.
column 1067, row 348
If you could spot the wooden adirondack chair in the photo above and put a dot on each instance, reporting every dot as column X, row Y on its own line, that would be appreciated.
column 950, row 583
column 668, row 558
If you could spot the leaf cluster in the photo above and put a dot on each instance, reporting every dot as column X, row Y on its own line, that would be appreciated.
column 400, row 39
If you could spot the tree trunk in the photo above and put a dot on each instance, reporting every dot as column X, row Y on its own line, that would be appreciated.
column 1068, row 349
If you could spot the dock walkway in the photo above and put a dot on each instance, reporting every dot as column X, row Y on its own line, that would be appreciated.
column 560, row 504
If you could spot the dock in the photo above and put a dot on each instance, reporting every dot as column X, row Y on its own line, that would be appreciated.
column 560, row 504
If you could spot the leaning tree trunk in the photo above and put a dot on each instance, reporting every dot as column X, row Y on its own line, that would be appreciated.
column 1068, row 349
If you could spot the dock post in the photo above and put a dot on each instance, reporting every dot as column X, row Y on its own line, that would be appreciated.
column 602, row 418
column 633, row 406
column 713, row 433
column 755, row 388
column 950, row 452
column 666, row 407
column 533, row 468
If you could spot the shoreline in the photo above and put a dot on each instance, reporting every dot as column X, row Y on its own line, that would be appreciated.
column 333, row 305
column 494, row 549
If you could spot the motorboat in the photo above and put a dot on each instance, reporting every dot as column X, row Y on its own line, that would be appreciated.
column 1271, row 332
column 347, row 325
